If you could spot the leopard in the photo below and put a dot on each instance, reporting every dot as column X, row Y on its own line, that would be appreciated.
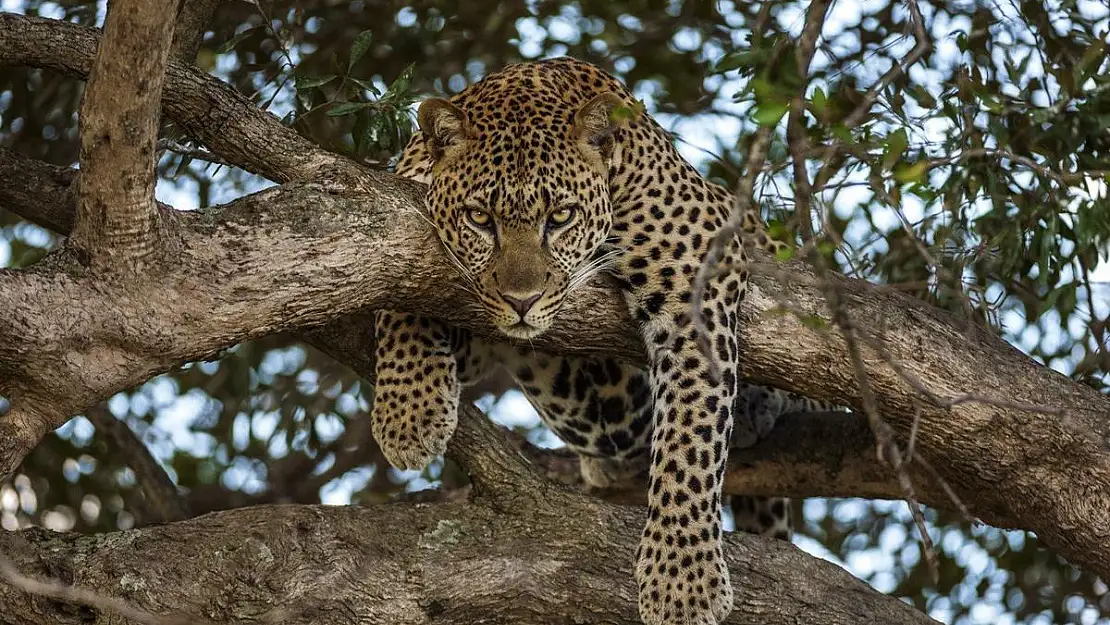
column 540, row 177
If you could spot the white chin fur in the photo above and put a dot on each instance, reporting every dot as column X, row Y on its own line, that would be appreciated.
column 520, row 331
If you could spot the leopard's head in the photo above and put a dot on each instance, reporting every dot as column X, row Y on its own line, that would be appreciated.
column 519, row 194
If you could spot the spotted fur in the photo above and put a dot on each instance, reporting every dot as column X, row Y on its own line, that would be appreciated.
column 540, row 175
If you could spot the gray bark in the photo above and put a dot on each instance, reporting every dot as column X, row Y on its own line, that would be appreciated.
column 536, row 553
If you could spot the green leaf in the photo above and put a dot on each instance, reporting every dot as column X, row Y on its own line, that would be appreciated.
column 764, row 89
column 1091, row 60
column 367, row 85
column 826, row 248
column 841, row 132
column 401, row 84
column 820, row 102
column 230, row 44
column 360, row 133
column 731, row 61
column 769, row 113
column 317, row 81
column 911, row 172
column 896, row 144
column 784, row 254
column 387, row 133
column 776, row 229
column 347, row 108
column 359, row 48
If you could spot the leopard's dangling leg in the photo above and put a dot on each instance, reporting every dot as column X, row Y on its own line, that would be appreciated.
column 416, row 391
column 422, row 363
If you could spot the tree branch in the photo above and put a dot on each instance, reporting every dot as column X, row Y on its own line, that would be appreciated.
column 299, row 256
column 53, row 589
column 117, row 224
column 161, row 501
column 192, row 18
column 41, row 193
column 205, row 108
column 415, row 563
column 817, row 454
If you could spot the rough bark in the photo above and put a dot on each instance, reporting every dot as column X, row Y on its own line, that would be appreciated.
column 33, row 184
column 193, row 17
column 505, row 556
column 117, row 224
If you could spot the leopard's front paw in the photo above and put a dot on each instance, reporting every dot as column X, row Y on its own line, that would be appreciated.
column 687, row 586
column 412, row 436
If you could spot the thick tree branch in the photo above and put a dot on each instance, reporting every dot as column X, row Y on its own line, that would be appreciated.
column 205, row 108
column 299, row 256
column 117, row 224
column 458, row 562
column 40, row 193
column 806, row 455
column 193, row 17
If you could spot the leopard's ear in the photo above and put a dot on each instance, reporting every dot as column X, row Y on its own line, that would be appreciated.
column 597, row 120
column 444, row 126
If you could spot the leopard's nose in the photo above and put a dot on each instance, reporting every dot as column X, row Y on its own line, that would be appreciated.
column 521, row 304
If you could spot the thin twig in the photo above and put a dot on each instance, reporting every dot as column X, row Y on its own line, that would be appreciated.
column 796, row 136
column 1062, row 179
column 921, row 46
column 795, row 125
column 884, row 435
column 966, row 398
column 57, row 591
column 757, row 154
column 943, row 483
column 191, row 152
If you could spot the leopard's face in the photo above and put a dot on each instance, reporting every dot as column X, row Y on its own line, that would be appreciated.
column 521, row 209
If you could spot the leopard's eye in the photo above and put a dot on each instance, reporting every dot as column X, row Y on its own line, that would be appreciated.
column 561, row 217
column 479, row 217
